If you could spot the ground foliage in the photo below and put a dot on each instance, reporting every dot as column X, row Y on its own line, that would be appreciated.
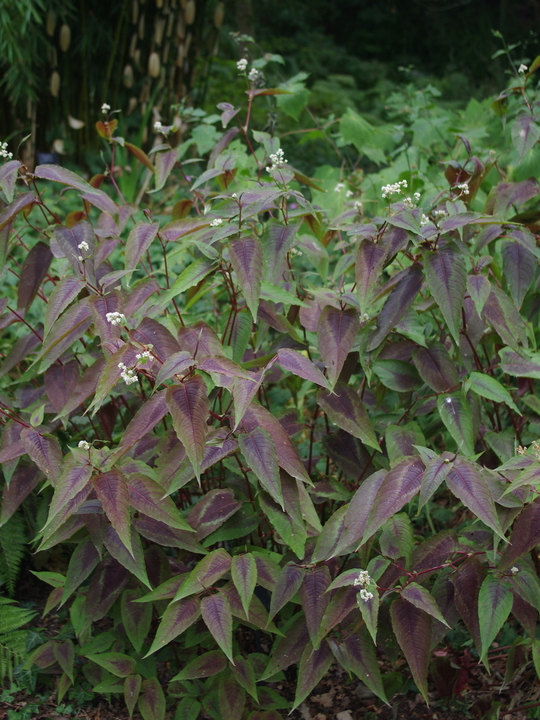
column 270, row 421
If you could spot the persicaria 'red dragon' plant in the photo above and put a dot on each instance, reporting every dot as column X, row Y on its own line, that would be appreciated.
column 275, row 418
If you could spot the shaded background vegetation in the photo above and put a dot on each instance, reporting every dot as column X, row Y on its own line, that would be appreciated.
column 61, row 60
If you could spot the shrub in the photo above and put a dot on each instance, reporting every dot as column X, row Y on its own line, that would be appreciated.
column 305, row 407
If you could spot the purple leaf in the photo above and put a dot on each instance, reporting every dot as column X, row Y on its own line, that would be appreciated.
column 525, row 535
column 116, row 663
column 247, row 260
column 228, row 112
column 358, row 654
column 133, row 558
column 346, row 410
column 397, row 304
column 132, row 689
column 139, row 240
column 189, row 407
column 278, row 241
column 45, row 451
column 73, row 479
column 467, row 582
column 412, row 628
column 63, row 520
column 81, row 564
column 177, row 364
column 447, row 280
column 479, row 288
column 152, row 700
column 212, row 511
column 200, row 340
column 287, row 585
column 245, row 675
column 177, row 617
column 164, row 164
column 68, row 239
column 85, row 387
column 260, row 453
column 244, row 576
column 14, row 208
column 207, row 572
column 370, row 259
column 313, row 597
column 206, row 665
column 466, row 483
column 399, row 486
column 64, row 653
column 288, row 459
column 336, row 333
column 519, row 265
column 111, row 488
column 525, row 134
column 294, row 362
column 24, row 480
column 359, row 510
column 436, row 368
column 216, row 613
column 522, row 364
column 342, row 602
column 289, row 648
column 66, row 330
column 136, row 617
column 144, row 420
column 64, row 176
column 421, row 598
column 434, row 551
column 106, row 584
column 146, row 496
column 231, row 697
column 500, row 312
column 162, row 534
column 60, row 382
column 151, row 332
column 494, row 606
column 313, row 667
column 329, row 539
column 8, row 178
column 20, row 350
column 33, row 272
column 223, row 366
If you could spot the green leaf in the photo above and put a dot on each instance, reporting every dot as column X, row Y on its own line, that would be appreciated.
column 456, row 415
column 486, row 386
column 152, row 700
column 117, row 663
column 494, row 605
column 136, row 617
column 244, row 576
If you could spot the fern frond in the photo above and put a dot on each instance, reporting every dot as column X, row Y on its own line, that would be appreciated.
column 13, row 540
column 12, row 639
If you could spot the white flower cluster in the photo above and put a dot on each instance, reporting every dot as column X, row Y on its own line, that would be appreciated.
column 83, row 445
column 128, row 375
column 364, row 581
column 144, row 356
column 115, row 318
column 216, row 222
column 242, row 65
column 364, row 318
column 358, row 206
column 84, row 247
column 277, row 159
column 163, row 129
column 424, row 220
column 439, row 214
column 349, row 193
column 105, row 108
column 522, row 68
column 514, row 570
column 339, row 187
column 4, row 152
column 254, row 75
column 389, row 190
column 462, row 187
column 295, row 251
column 409, row 202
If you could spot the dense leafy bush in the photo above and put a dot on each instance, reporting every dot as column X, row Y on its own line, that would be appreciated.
column 277, row 420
